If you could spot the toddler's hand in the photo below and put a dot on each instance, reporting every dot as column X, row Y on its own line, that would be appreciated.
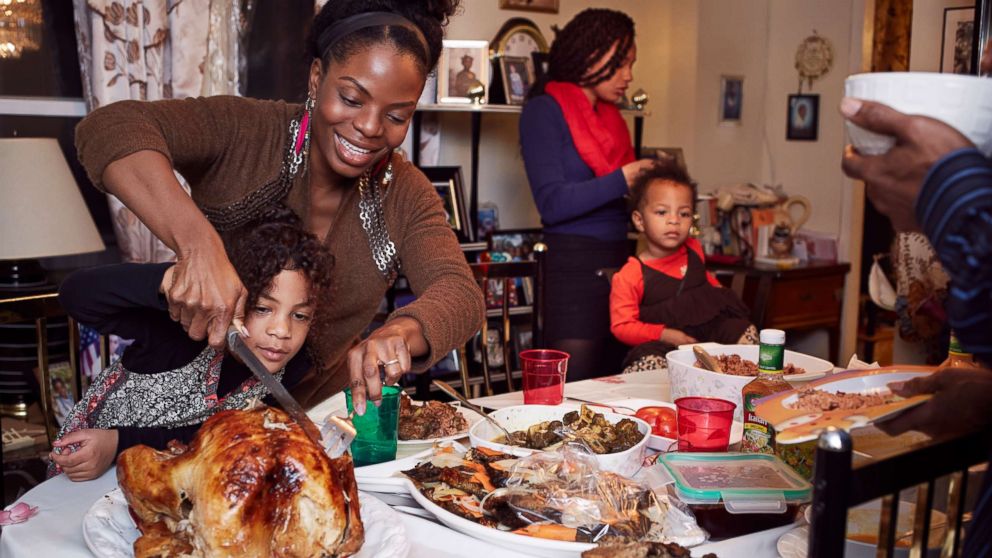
column 676, row 337
column 96, row 449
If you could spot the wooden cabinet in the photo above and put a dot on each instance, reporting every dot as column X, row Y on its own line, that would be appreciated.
column 802, row 298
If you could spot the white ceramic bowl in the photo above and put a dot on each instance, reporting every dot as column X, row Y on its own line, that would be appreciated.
column 963, row 102
column 521, row 417
column 688, row 380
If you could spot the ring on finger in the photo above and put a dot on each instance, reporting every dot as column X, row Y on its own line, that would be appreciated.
column 391, row 362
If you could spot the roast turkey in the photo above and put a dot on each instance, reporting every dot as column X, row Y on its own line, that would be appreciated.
column 251, row 484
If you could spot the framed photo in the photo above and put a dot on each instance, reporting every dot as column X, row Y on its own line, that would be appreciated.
column 517, row 78
column 463, row 65
column 63, row 390
column 550, row 6
column 957, row 41
column 674, row 153
column 803, row 119
column 731, row 100
column 448, row 183
column 487, row 219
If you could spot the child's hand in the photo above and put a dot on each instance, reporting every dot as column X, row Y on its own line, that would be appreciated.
column 676, row 337
column 95, row 451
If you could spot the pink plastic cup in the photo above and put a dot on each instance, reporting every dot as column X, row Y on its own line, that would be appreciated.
column 544, row 376
column 704, row 423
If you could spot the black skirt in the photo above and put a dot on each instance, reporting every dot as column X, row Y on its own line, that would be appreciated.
column 577, row 303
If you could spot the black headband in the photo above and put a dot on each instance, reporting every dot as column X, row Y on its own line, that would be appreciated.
column 349, row 25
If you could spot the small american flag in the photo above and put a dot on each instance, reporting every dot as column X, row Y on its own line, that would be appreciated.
column 89, row 352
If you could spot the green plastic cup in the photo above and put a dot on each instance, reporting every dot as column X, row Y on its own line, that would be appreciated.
column 375, row 441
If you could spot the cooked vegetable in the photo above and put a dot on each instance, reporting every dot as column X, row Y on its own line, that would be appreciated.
column 586, row 427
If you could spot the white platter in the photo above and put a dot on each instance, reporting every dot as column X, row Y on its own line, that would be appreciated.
column 386, row 478
column 506, row 539
column 110, row 532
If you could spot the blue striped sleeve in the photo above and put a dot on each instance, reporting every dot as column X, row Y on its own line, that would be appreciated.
column 954, row 209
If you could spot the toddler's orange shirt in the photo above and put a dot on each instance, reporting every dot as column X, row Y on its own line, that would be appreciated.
column 628, row 290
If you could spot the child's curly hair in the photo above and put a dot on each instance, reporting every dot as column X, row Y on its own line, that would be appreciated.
column 663, row 169
column 277, row 241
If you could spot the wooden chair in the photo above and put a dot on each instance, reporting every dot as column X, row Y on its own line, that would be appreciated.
column 506, row 274
column 839, row 485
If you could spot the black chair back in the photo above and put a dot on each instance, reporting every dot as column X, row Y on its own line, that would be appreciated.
column 839, row 485
column 502, row 278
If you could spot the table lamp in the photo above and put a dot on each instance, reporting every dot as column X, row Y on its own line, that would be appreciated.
column 42, row 213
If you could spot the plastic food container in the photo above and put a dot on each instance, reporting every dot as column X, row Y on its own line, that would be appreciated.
column 733, row 494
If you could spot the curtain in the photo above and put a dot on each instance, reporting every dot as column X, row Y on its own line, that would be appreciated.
column 156, row 49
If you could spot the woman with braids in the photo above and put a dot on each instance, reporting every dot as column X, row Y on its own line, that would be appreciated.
column 331, row 161
column 580, row 163
column 166, row 384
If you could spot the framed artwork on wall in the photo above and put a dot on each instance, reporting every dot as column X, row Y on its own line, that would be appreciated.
column 448, row 183
column 550, row 6
column 731, row 100
column 957, row 41
column 803, row 118
column 463, row 65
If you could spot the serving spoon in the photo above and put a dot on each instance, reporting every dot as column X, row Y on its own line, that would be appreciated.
column 446, row 388
column 706, row 359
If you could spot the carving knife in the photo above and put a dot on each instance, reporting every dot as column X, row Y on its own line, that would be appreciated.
column 278, row 391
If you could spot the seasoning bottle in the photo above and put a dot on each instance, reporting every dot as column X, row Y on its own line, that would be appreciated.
column 759, row 436
column 957, row 357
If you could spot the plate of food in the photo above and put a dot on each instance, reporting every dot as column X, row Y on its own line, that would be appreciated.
column 249, row 483
column 618, row 441
column 848, row 400
column 739, row 365
column 423, row 423
column 548, row 504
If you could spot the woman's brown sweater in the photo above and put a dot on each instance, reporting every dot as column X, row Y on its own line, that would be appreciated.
column 229, row 147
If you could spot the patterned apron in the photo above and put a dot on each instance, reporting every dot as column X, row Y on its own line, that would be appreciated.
column 180, row 397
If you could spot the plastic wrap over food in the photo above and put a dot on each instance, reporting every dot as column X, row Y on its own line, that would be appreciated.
column 563, row 495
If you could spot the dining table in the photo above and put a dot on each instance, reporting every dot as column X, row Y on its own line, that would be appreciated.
column 57, row 529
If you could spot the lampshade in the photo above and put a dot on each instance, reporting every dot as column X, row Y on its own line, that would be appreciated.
column 42, row 213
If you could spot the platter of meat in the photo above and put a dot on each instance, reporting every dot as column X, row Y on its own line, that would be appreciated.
column 250, row 483
column 548, row 504
column 110, row 532
column 848, row 400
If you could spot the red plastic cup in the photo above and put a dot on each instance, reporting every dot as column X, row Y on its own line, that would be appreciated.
column 704, row 423
column 544, row 376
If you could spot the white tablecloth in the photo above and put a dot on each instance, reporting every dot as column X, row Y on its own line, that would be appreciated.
column 57, row 529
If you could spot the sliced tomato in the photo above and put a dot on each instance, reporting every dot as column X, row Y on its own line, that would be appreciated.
column 661, row 419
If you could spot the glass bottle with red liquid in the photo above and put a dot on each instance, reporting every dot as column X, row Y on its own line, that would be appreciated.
column 759, row 436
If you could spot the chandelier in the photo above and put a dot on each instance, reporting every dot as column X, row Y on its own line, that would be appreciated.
column 20, row 27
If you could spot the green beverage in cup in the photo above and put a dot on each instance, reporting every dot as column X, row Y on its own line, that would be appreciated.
column 375, row 441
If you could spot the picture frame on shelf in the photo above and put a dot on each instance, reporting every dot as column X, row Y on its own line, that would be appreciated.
column 487, row 219
column 548, row 6
column 517, row 78
column 731, row 100
column 803, row 117
column 463, row 64
column 448, row 183
column 957, row 40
